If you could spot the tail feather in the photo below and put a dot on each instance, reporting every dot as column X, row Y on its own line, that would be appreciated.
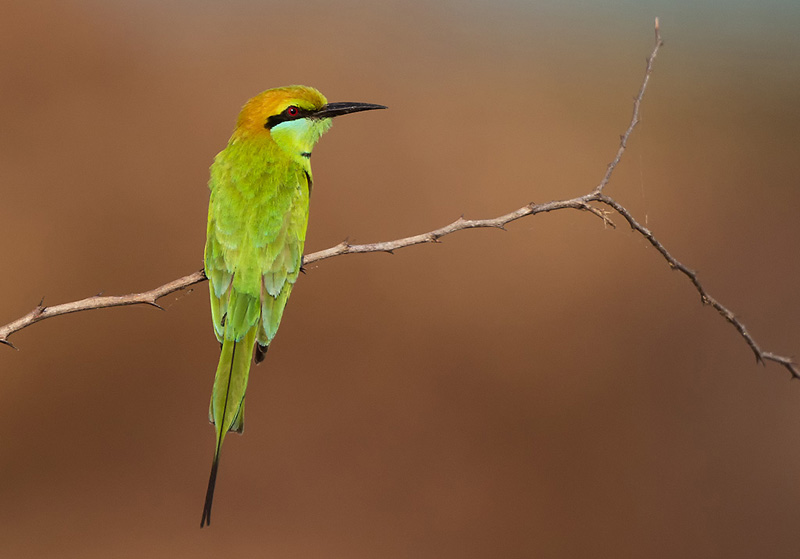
column 227, row 402
column 238, row 422
column 212, row 478
column 212, row 482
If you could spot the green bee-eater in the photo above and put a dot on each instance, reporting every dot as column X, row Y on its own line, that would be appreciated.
column 260, row 186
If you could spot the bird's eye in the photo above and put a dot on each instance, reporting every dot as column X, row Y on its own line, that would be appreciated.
column 292, row 111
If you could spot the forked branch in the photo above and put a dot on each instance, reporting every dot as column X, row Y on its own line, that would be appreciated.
column 584, row 203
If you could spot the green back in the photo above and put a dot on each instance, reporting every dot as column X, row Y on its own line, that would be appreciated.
column 257, row 221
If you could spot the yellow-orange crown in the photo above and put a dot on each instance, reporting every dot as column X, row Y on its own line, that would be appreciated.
column 274, row 101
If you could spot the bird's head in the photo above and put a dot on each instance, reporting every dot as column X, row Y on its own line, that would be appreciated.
column 294, row 117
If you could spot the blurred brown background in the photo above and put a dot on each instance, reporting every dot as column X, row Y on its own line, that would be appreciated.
column 550, row 391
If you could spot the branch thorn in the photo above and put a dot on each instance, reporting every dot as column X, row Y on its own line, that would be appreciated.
column 9, row 344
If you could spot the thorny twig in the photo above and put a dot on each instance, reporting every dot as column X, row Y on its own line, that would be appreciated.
column 583, row 203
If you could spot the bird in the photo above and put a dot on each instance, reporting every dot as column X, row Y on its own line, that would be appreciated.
column 257, row 218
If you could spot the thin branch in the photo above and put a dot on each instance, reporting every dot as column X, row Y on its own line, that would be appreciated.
column 705, row 298
column 580, row 203
column 583, row 203
column 637, row 102
column 40, row 312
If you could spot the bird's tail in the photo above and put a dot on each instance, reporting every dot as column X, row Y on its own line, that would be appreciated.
column 226, row 411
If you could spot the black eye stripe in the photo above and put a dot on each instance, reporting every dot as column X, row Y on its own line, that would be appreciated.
column 285, row 116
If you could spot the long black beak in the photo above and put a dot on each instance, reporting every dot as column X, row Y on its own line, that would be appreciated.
column 335, row 109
